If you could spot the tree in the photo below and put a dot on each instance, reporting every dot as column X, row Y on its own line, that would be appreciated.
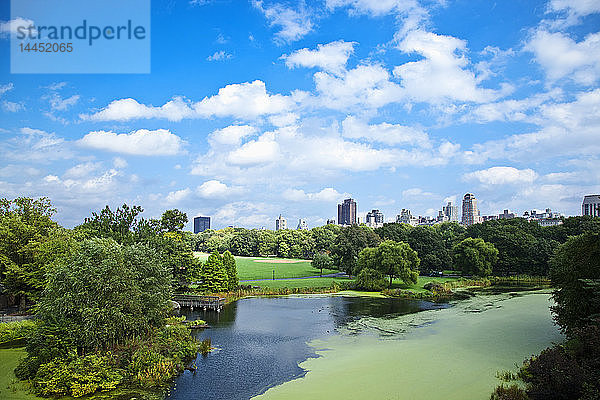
column 213, row 275
column 322, row 261
column 475, row 257
column 106, row 293
column 173, row 220
column 370, row 280
column 349, row 243
column 30, row 242
column 429, row 245
column 231, row 269
column 575, row 272
column 119, row 225
column 394, row 259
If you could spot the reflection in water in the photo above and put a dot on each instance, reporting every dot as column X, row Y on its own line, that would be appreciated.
column 261, row 341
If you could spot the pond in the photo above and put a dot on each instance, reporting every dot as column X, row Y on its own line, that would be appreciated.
column 354, row 347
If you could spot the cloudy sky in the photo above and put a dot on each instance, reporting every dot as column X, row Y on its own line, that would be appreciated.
column 256, row 108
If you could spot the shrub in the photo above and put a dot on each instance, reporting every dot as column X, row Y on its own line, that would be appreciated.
column 15, row 332
column 512, row 392
column 370, row 280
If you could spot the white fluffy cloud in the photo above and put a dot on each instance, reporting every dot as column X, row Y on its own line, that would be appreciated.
column 561, row 56
column 231, row 135
column 567, row 129
column 374, row 8
column 391, row 134
column 177, row 196
column 255, row 152
column 331, row 57
column 215, row 189
column 443, row 75
column 502, row 176
column 364, row 86
column 160, row 142
column 325, row 195
column 293, row 24
column 247, row 100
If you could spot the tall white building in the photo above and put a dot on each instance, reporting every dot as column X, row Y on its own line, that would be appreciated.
column 374, row 219
column 591, row 205
column 470, row 212
column 302, row 225
column 280, row 223
column 450, row 212
column 406, row 217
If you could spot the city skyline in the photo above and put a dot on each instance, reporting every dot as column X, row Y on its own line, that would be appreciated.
column 256, row 108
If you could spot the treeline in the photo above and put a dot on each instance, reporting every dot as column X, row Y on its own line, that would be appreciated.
column 523, row 247
column 102, row 294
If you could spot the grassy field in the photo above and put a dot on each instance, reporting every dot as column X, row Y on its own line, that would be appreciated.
column 262, row 268
column 327, row 282
column 10, row 388
column 297, row 283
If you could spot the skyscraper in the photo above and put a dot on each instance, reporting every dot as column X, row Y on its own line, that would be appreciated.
column 451, row 212
column 280, row 223
column 406, row 217
column 347, row 212
column 470, row 213
column 591, row 205
column 302, row 225
column 201, row 224
column 374, row 219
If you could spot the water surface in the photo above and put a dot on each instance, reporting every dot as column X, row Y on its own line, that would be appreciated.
column 325, row 347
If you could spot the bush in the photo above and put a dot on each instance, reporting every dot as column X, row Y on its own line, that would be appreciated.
column 77, row 376
column 370, row 280
column 512, row 392
column 15, row 332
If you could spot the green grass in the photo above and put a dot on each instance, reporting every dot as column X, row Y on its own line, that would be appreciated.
column 249, row 269
column 10, row 388
column 298, row 283
column 327, row 282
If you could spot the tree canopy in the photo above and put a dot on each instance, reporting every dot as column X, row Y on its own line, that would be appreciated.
column 475, row 257
column 394, row 259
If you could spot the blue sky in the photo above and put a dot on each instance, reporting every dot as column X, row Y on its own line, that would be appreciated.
column 256, row 108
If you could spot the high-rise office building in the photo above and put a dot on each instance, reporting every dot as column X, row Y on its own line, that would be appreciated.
column 201, row 224
column 591, row 205
column 450, row 212
column 470, row 213
column 302, row 225
column 280, row 223
column 374, row 219
column 406, row 217
column 331, row 221
column 347, row 212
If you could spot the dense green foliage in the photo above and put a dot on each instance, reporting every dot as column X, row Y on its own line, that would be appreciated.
column 575, row 273
column 107, row 293
column 524, row 248
column 30, row 242
column 348, row 245
column 394, row 259
column 370, row 280
column 475, row 257
column 231, row 270
column 214, row 277
column 322, row 261
column 15, row 332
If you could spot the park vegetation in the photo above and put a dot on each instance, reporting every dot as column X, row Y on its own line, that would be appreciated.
column 569, row 370
column 101, row 294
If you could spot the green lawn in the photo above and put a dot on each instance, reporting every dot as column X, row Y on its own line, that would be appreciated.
column 326, row 282
column 298, row 283
column 250, row 269
column 10, row 388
